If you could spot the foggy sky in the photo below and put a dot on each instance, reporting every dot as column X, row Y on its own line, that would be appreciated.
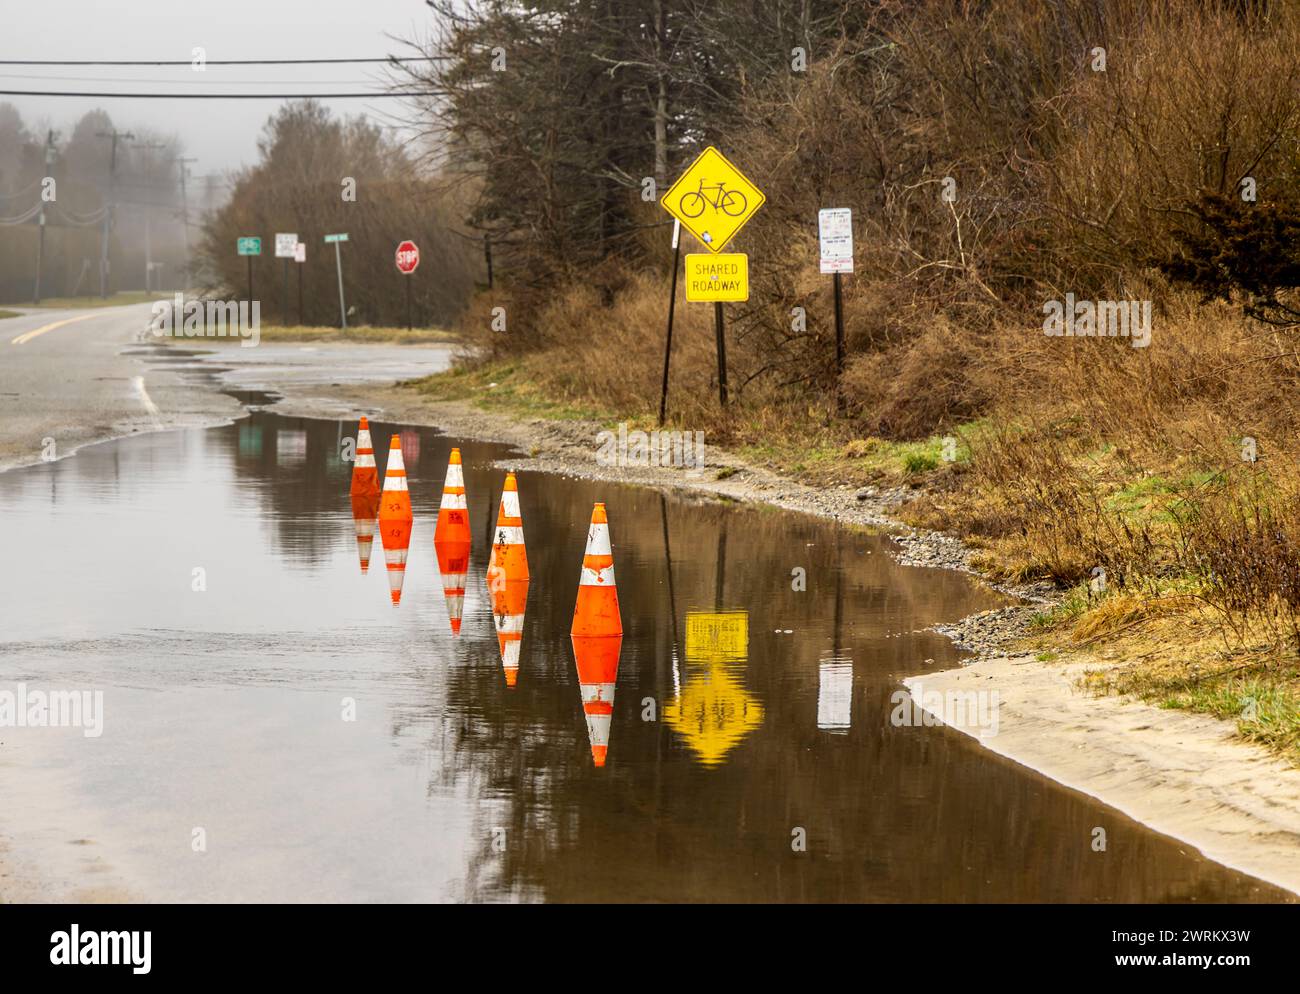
column 221, row 134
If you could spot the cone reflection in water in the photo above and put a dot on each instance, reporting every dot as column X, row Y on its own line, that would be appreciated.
column 509, row 601
column 453, row 564
column 365, row 474
column 453, row 512
column 597, row 634
column 395, row 519
column 365, row 509
column 509, row 560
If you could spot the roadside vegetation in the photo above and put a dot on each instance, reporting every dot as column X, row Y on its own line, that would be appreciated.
column 997, row 158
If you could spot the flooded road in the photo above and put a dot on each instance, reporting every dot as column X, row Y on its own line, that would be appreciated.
column 275, row 730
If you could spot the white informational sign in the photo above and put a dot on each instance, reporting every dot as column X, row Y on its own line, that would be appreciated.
column 300, row 252
column 285, row 245
column 835, row 231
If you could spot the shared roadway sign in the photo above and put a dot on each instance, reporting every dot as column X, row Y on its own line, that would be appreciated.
column 717, row 635
column 713, row 200
column 249, row 245
column 722, row 277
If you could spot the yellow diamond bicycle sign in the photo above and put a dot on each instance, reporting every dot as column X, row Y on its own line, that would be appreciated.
column 713, row 199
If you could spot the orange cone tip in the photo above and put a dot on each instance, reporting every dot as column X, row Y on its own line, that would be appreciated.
column 365, row 475
column 597, row 634
column 509, row 560
column 453, row 512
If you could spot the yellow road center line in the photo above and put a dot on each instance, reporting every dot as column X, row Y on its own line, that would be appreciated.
column 26, row 337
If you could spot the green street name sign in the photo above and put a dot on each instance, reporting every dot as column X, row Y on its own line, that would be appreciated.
column 337, row 238
column 250, row 246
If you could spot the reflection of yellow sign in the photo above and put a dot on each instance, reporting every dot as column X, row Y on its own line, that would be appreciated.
column 717, row 635
column 717, row 277
column 713, row 712
column 713, row 199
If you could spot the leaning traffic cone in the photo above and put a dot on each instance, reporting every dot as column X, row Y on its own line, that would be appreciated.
column 395, row 519
column 453, row 513
column 509, row 601
column 597, row 634
column 365, row 508
column 453, row 564
column 365, row 474
column 509, row 560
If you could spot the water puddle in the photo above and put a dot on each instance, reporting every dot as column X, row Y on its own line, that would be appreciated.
column 275, row 729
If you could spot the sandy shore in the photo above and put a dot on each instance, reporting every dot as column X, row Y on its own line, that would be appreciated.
column 1183, row 774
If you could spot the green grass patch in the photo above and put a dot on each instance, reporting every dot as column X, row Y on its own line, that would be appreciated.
column 9, row 314
column 1262, row 709
column 363, row 335
column 506, row 388
column 124, row 299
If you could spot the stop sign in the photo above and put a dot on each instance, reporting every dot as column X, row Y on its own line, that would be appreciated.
column 408, row 257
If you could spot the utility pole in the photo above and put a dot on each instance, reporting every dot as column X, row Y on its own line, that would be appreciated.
column 115, row 136
column 148, row 218
column 40, row 238
column 185, row 216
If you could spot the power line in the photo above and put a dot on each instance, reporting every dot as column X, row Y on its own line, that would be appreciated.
column 216, row 62
column 175, row 82
column 374, row 94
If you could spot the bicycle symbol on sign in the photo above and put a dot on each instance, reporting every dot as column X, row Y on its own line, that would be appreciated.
column 730, row 202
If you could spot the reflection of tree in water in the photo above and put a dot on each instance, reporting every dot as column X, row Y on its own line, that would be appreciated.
column 890, row 813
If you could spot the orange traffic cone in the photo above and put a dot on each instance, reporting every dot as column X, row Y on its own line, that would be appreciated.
column 453, row 564
column 365, row 508
column 365, row 474
column 509, row 601
column 453, row 512
column 395, row 519
column 509, row 559
column 597, row 634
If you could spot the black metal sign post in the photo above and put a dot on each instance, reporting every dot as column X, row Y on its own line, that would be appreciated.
column 722, row 352
column 672, row 305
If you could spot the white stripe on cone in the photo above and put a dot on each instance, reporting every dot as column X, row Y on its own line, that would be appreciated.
column 598, row 729
column 597, row 692
column 509, row 535
column 510, row 504
column 598, row 541
column 598, row 577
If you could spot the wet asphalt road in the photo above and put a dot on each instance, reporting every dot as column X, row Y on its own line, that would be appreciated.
column 69, row 378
